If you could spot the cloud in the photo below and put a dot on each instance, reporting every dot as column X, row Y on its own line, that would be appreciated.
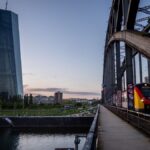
column 46, row 89
column 81, row 93
column 65, row 91
column 28, row 74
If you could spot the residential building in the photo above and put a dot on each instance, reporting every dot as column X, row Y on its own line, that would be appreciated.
column 58, row 97
column 39, row 99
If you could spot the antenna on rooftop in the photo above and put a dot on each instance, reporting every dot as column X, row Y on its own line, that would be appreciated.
column 6, row 4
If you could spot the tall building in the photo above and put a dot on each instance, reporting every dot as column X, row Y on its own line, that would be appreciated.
column 10, row 59
column 58, row 97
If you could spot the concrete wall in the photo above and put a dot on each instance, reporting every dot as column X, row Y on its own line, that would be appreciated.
column 60, row 123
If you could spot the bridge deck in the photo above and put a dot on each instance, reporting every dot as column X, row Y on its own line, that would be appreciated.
column 116, row 134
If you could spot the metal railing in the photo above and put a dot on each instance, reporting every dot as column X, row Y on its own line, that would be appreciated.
column 137, row 119
column 91, row 140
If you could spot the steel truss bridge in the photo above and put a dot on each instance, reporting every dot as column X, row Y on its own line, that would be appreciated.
column 127, row 50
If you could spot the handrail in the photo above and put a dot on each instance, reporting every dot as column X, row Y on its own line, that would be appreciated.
column 137, row 119
column 131, row 111
column 90, row 143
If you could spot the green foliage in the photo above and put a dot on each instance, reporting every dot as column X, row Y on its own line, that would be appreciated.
column 14, row 102
column 78, row 104
column 30, row 99
column 0, row 104
column 24, row 107
column 38, row 112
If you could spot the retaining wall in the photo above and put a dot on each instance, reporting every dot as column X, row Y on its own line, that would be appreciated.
column 64, row 123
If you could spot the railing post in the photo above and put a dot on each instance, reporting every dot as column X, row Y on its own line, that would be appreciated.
column 138, row 121
column 127, row 116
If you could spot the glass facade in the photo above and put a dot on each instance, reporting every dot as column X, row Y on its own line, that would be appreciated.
column 10, row 59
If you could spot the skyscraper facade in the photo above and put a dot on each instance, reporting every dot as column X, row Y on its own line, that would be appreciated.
column 10, row 59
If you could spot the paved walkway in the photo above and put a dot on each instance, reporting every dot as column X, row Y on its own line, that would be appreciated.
column 116, row 134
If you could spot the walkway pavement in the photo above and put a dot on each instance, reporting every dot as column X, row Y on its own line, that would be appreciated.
column 116, row 134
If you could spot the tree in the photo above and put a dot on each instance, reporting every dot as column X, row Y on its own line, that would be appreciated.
column 1, row 103
column 30, row 99
column 26, row 100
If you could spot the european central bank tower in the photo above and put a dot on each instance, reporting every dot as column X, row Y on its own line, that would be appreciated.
column 10, row 59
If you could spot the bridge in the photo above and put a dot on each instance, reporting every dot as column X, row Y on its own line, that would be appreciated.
column 126, row 52
column 126, row 78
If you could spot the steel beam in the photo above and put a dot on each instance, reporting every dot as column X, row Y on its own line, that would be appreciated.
column 149, row 70
column 134, row 71
column 132, row 11
column 129, row 75
column 140, row 69
column 118, row 69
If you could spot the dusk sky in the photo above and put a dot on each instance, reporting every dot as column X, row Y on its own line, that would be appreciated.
column 62, row 44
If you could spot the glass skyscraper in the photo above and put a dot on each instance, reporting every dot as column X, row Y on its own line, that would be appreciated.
column 10, row 59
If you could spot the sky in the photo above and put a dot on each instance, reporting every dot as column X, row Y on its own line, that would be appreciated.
column 62, row 44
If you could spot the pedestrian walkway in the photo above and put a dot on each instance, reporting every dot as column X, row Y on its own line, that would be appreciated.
column 116, row 134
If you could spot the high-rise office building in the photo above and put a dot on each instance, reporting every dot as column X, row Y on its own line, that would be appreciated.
column 10, row 59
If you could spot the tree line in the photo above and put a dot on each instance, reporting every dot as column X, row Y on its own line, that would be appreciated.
column 16, row 102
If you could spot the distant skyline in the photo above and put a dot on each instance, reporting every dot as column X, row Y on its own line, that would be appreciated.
column 62, row 43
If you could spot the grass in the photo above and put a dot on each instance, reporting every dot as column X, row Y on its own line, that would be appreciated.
column 40, row 112
column 44, row 110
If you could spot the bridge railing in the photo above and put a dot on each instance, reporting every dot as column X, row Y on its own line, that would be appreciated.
column 137, row 119
column 91, row 140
